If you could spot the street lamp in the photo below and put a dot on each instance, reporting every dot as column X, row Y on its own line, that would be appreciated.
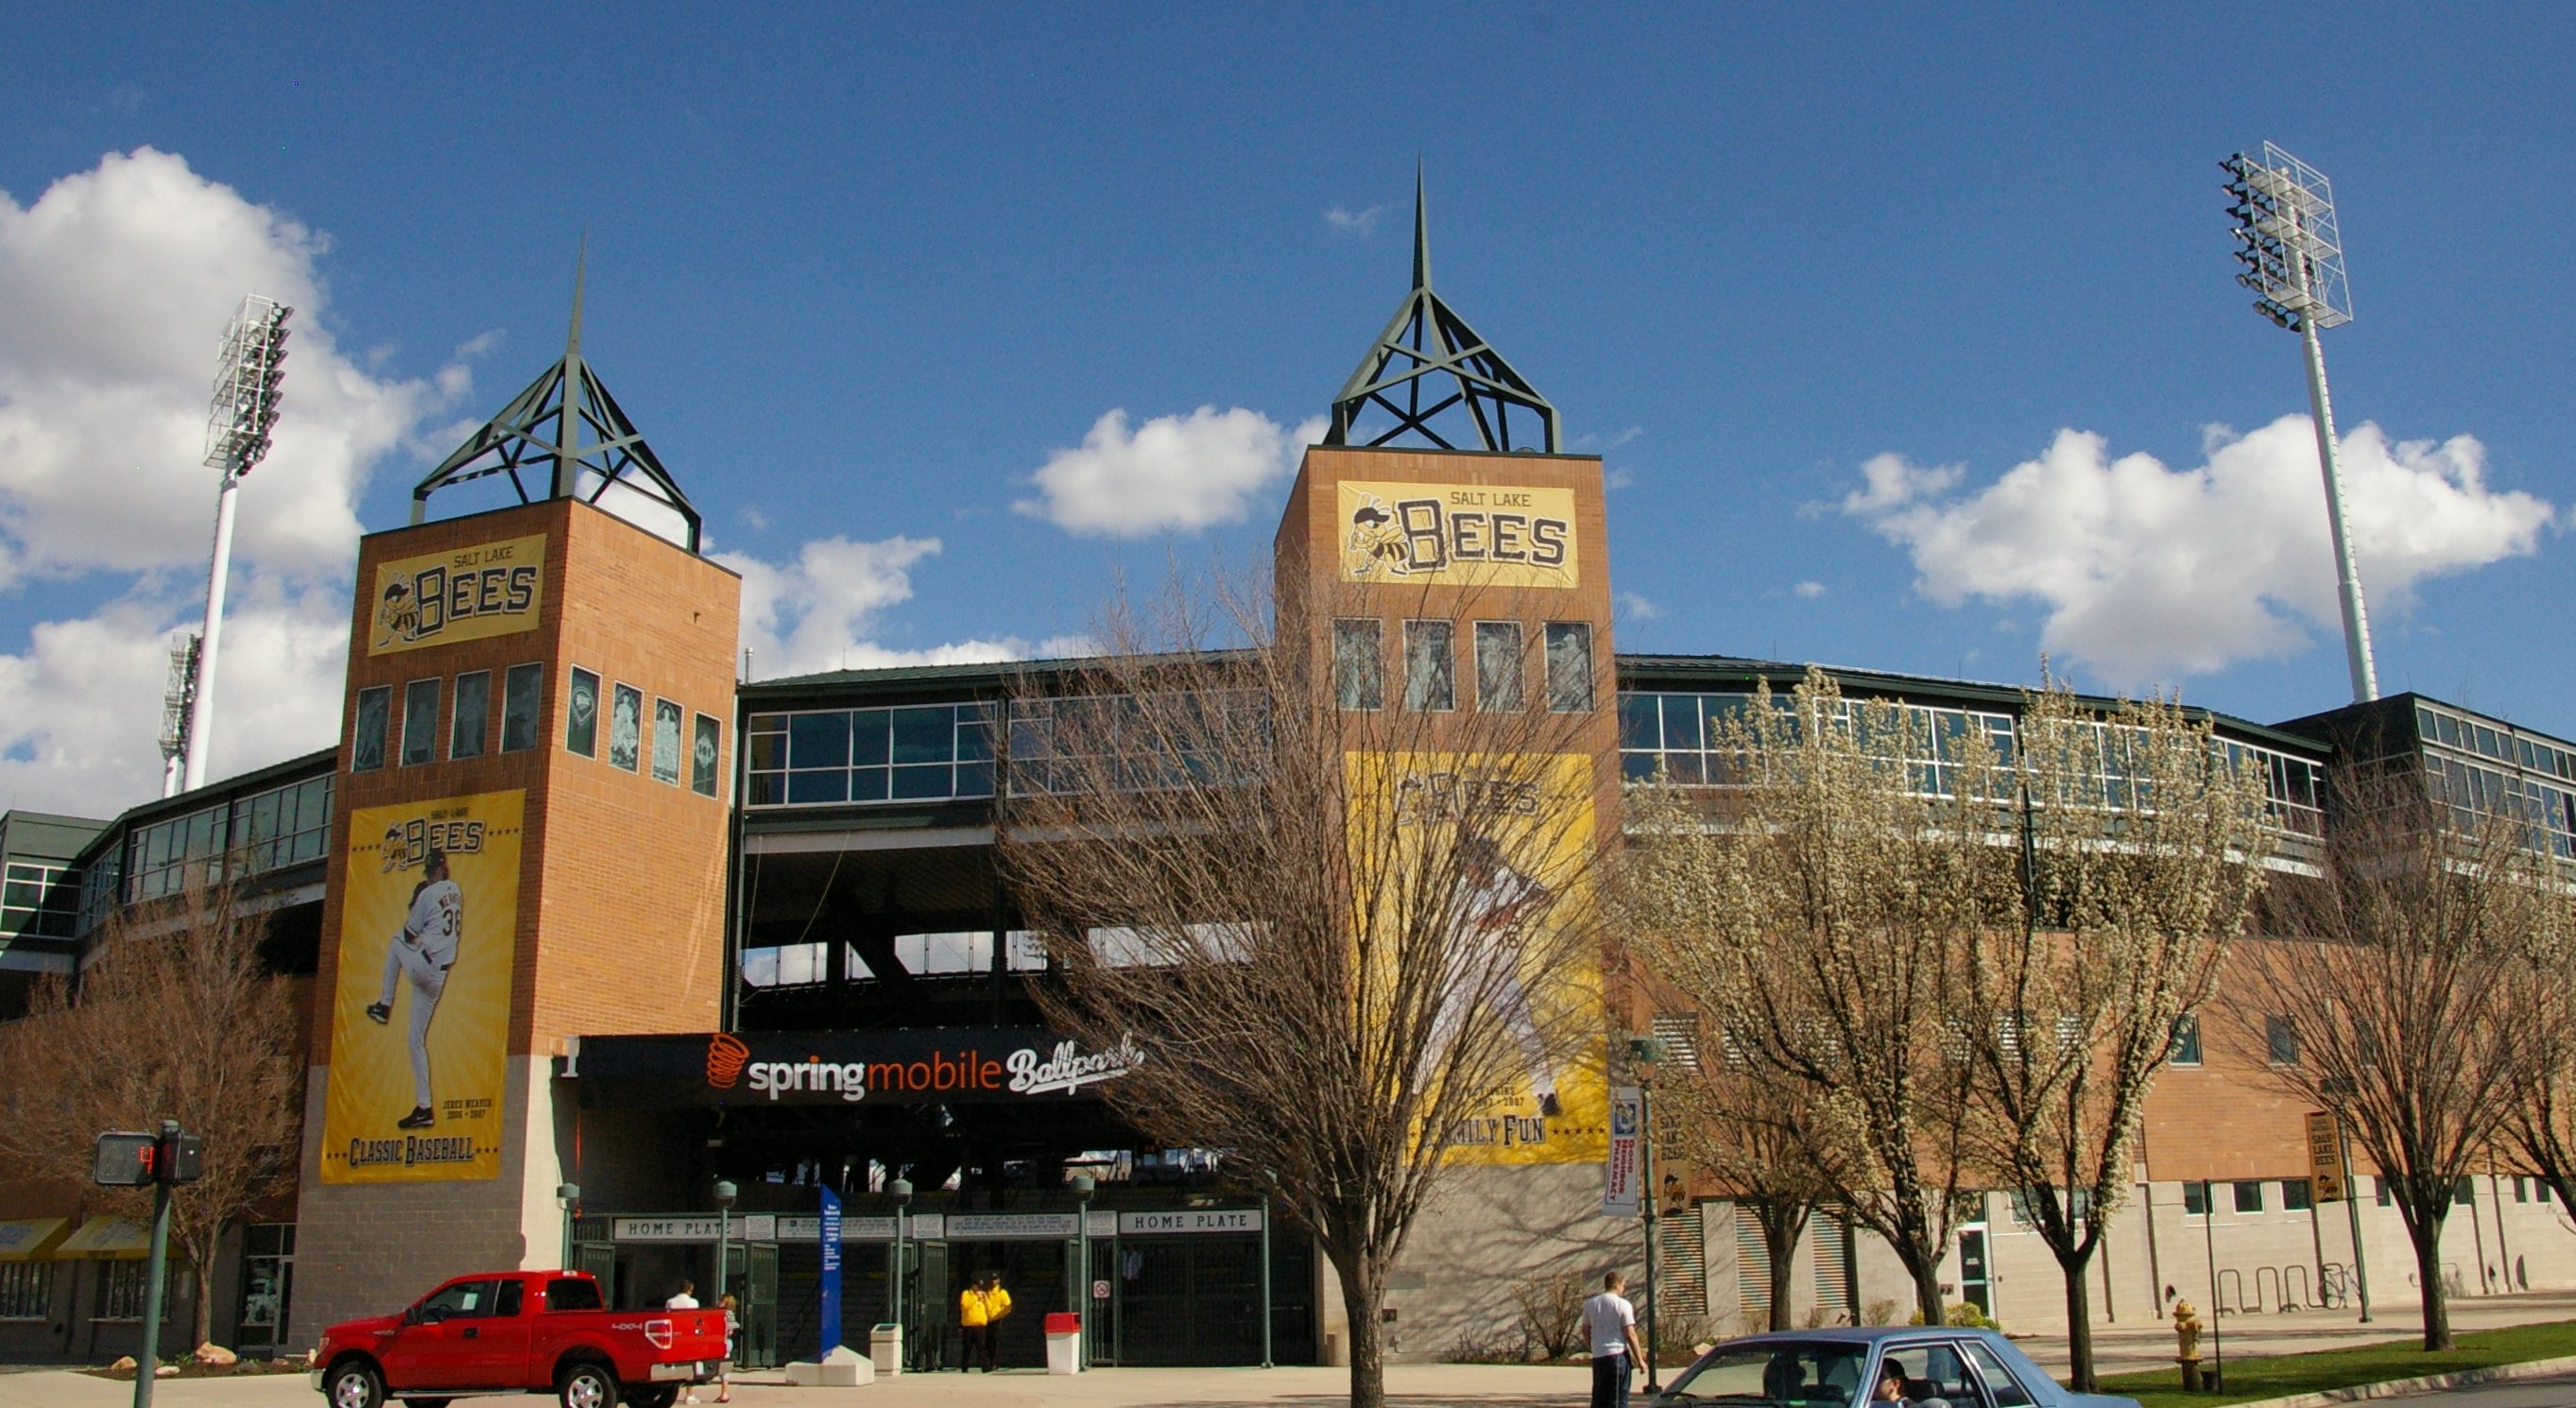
column 1083, row 1188
column 568, row 1194
column 902, row 1190
column 1645, row 1051
column 724, row 1235
column 2292, row 251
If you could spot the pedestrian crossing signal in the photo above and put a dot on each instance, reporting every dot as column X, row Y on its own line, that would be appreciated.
column 126, row 1160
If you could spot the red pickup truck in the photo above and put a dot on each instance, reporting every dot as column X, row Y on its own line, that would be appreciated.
column 524, row 1332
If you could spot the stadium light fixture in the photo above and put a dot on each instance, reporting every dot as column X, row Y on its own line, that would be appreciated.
column 2292, row 252
column 249, row 374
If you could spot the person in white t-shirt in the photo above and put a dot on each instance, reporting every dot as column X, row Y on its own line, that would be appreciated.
column 1610, row 1323
column 687, row 1299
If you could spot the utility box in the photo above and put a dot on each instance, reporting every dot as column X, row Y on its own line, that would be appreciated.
column 885, row 1350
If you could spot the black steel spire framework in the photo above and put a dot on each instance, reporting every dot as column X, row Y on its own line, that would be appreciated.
column 1425, row 337
column 566, row 422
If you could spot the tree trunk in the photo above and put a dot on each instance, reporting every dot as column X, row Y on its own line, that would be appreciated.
column 201, row 1324
column 1783, row 1225
column 2426, row 1232
column 2079, row 1323
column 1927, row 1284
column 1363, row 1289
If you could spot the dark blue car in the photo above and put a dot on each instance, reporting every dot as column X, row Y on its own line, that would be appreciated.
column 1935, row 1367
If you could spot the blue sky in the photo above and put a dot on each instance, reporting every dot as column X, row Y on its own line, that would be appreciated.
column 860, row 274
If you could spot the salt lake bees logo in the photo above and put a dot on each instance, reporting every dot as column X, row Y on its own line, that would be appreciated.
column 1459, row 532
column 397, row 614
column 467, row 594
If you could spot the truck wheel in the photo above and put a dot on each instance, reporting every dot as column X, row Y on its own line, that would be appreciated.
column 355, row 1384
column 586, row 1386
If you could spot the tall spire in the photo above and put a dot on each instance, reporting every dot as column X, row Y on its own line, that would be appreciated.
column 548, row 424
column 1421, row 235
column 580, row 275
column 1426, row 336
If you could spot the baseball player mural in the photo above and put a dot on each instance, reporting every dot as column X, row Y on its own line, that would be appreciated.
column 423, row 952
column 1486, row 909
column 428, row 925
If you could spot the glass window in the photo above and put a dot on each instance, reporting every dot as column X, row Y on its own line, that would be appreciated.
column 2249, row 1195
column 666, row 741
column 2381, row 1189
column 26, row 1290
column 466, row 1300
column 367, row 739
column 1569, row 667
column 2002, row 1385
column 1794, row 1372
column 467, row 736
column 2297, row 1195
column 923, row 735
column 1359, row 665
column 2195, row 1200
column 1931, row 1371
column 2464, row 1192
column 703, row 756
column 420, row 722
column 1430, row 666
column 1500, row 671
column 2186, row 1040
column 2281, row 1039
column 572, row 1293
column 120, row 1291
column 520, row 691
column 581, row 714
column 626, row 728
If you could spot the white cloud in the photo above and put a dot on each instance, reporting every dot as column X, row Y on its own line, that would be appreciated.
column 817, row 612
column 1361, row 223
column 1171, row 473
column 1638, row 608
column 1809, row 591
column 117, row 283
column 2148, row 573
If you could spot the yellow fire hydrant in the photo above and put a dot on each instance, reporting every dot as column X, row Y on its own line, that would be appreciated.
column 2187, row 1344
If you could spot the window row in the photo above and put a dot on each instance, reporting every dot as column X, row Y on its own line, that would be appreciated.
column 1500, row 665
column 26, row 1290
column 2437, row 726
column 469, row 731
column 38, row 901
column 1680, row 737
column 282, row 826
column 701, row 751
column 2474, row 790
column 923, row 752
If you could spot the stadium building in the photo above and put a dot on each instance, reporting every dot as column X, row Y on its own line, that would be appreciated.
column 676, row 927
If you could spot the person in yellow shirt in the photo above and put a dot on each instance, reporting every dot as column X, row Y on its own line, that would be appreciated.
column 981, row 1308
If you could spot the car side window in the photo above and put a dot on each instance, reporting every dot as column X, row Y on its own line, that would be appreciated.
column 2001, row 1383
column 572, row 1293
column 506, row 1305
column 466, row 1300
column 1934, row 1375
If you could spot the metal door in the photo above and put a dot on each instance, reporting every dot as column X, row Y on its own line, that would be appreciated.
column 751, row 1273
column 599, row 1259
column 1974, row 1278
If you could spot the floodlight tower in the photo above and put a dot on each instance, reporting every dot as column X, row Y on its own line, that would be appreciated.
column 244, row 410
column 2293, row 257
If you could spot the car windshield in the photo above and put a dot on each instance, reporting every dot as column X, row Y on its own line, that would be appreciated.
column 1785, row 1373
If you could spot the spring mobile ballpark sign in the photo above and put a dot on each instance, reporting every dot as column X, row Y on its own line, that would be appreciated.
column 494, row 589
column 1482, row 535
column 420, row 1019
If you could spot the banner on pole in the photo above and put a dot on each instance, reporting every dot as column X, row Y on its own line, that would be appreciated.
column 829, row 1282
column 1620, row 1171
column 2325, row 1159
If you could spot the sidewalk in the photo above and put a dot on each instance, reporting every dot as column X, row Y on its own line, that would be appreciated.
column 2129, row 1347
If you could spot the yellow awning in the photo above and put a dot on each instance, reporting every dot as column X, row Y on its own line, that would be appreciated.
column 109, row 1237
column 31, row 1238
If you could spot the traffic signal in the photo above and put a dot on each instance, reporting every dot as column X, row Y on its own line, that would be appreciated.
column 126, row 1160
column 182, row 1158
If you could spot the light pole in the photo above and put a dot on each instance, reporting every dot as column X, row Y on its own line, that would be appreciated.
column 568, row 1194
column 2292, row 250
column 1083, row 1188
column 901, row 1188
column 1645, row 1051
column 724, row 1235
column 244, row 411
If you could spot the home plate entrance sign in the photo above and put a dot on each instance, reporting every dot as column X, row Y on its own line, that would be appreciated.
column 1189, row 1222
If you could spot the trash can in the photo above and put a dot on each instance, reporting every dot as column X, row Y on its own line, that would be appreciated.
column 1064, row 1342
column 885, row 1350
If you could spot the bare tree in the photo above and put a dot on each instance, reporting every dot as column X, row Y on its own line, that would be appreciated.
column 175, row 1019
column 1739, row 1127
column 2389, row 995
column 2540, row 1119
column 2140, row 847
column 1813, row 915
column 1342, row 940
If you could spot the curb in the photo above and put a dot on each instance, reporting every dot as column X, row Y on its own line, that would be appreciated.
column 2428, row 1383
